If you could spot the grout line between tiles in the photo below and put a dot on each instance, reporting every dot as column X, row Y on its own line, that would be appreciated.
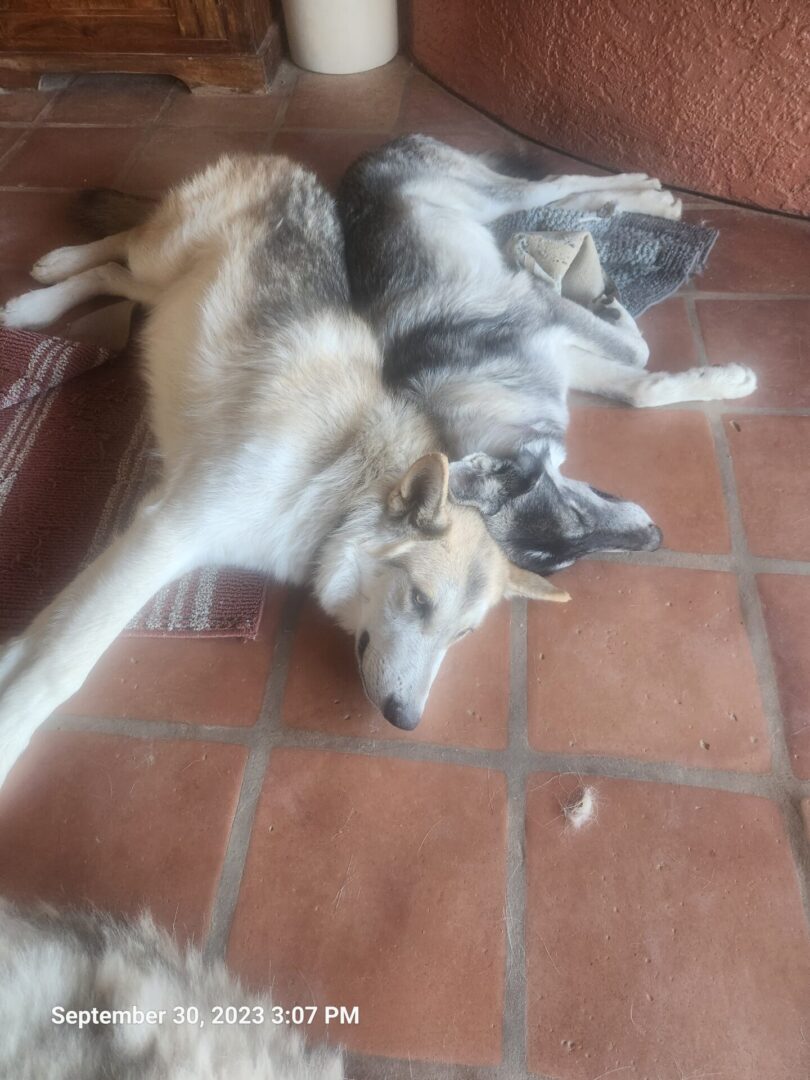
column 718, row 294
column 514, row 1042
column 19, row 142
column 148, row 130
column 233, row 865
column 161, row 730
column 295, row 129
column 91, row 125
column 786, row 789
column 688, row 560
column 370, row 1067
column 619, row 768
column 410, row 75
column 721, row 407
column 49, row 106
column 683, row 560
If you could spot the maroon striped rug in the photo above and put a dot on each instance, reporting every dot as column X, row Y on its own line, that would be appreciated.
column 75, row 458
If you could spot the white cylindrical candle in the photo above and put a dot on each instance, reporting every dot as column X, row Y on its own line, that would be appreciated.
column 337, row 37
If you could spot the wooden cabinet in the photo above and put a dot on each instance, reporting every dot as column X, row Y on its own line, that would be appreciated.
column 205, row 43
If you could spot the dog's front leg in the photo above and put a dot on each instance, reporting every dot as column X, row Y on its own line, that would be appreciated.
column 41, row 669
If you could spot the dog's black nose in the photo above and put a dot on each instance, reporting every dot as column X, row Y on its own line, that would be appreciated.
column 398, row 715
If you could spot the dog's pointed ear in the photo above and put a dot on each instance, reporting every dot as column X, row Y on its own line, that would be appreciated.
column 532, row 587
column 421, row 494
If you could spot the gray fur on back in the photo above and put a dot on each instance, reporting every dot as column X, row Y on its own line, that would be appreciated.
column 437, row 344
column 302, row 224
column 480, row 345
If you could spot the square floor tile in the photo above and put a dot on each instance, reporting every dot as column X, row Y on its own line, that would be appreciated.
column 543, row 160
column 770, row 456
column 668, row 332
column 64, row 158
column 786, row 606
column 120, row 823
column 193, row 680
column 32, row 223
column 663, row 459
column 468, row 704
column 326, row 153
column 172, row 155
column 646, row 662
column 368, row 101
column 427, row 107
column 666, row 939
column 111, row 99
column 771, row 336
column 380, row 884
column 755, row 253
column 223, row 111
column 22, row 105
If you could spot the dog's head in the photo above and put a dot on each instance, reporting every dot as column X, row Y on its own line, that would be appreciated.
column 428, row 584
column 543, row 520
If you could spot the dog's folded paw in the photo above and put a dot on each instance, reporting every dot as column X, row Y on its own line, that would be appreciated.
column 733, row 380
column 25, row 311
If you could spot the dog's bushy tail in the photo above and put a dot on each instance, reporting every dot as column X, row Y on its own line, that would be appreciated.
column 103, row 211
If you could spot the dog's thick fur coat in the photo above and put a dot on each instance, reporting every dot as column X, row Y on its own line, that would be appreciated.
column 490, row 352
column 81, row 961
column 282, row 451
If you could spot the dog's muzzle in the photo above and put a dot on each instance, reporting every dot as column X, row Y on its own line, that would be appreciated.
column 399, row 715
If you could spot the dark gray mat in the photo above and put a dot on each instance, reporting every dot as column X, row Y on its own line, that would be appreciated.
column 648, row 258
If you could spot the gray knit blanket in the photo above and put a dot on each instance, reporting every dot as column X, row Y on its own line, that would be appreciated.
column 647, row 258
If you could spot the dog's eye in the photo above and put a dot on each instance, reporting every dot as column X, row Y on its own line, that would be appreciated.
column 463, row 633
column 420, row 601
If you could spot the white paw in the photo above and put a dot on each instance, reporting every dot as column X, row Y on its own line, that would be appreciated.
column 638, row 180
column 56, row 266
column 32, row 309
column 730, row 381
column 697, row 384
column 659, row 203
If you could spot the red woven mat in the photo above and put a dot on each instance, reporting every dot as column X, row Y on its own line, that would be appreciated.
column 75, row 458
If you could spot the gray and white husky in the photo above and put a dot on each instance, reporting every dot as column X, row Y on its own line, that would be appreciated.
column 491, row 353
column 56, row 968
column 282, row 450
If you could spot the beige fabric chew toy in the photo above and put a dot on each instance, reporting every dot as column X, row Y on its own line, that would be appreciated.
column 566, row 261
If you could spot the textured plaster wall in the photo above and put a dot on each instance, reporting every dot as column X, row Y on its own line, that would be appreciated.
column 712, row 95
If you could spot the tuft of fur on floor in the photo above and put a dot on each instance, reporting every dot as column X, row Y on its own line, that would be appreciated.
column 580, row 807
column 77, row 961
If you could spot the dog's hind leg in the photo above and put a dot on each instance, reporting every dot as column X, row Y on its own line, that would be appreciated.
column 64, row 262
column 642, row 200
column 41, row 669
column 607, row 358
column 606, row 330
column 451, row 179
column 485, row 195
column 42, row 306
column 600, row 375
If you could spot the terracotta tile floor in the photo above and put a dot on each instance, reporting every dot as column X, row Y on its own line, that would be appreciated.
column 250, row 796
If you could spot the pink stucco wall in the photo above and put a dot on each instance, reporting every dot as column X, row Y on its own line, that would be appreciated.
column 711, row 95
